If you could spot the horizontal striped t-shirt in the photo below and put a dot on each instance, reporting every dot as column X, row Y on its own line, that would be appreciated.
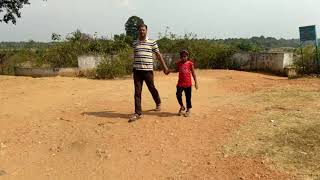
column 143, row 54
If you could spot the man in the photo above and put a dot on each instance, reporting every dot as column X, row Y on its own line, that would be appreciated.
column 143, row 70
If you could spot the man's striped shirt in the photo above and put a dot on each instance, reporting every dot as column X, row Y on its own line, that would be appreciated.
column 143, row 54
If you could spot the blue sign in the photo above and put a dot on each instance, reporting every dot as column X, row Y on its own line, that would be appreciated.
column 308, row 33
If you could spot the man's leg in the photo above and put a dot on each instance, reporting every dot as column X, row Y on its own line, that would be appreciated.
column 138, row 82
column 150, row 83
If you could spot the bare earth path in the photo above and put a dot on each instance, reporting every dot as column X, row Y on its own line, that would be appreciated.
column 70, row 128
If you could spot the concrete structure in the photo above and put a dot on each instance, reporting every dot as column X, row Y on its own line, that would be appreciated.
column 274, row 62
column 46, row 72
column 89, row 61
column 69, row 72
column 85, row 63
column 291, row 72
column 36, row 72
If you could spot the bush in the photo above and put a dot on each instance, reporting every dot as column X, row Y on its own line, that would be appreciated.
column 306, row 62
column 24, row 57
column 88, row 73
column 115, row 66
column 63, row 55
column 206, row 54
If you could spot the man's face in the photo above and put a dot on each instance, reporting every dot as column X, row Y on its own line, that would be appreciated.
column 142, row 32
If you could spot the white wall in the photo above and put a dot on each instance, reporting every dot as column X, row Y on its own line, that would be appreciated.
column 275, row 62
column 89, row 62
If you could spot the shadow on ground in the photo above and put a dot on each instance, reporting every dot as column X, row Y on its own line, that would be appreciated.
column 113, row 114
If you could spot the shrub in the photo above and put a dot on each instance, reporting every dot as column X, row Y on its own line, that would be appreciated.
column 306, row 62
column 115, row 66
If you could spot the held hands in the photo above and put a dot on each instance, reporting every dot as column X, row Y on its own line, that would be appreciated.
column 166, row 71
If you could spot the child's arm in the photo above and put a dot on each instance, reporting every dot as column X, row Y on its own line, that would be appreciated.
column 194, row 76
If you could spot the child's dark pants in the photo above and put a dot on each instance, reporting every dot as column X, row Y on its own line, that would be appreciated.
column 187, row 92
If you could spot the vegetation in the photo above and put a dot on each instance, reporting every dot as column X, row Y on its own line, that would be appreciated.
column 207, row 53
column 131, row 26
column 11, row 10
column 306, row 60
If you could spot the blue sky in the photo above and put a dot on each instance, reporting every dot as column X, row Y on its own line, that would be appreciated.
column 206, row 18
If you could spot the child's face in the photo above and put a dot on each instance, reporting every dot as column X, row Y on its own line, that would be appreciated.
column 184, row 57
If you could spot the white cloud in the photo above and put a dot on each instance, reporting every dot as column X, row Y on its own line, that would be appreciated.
column 124, row 2
column 128, row 4
column 121, row 3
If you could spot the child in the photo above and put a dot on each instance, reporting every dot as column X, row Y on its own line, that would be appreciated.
column 185, row 68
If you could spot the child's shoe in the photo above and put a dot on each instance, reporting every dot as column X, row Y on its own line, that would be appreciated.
column 188, row 113
column 182, row 108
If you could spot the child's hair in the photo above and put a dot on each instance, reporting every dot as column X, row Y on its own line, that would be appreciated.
column 184, row 52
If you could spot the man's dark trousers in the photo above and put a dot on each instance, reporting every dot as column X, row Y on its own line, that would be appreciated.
column 139, row 77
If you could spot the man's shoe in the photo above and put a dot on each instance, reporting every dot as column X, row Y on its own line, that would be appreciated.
column 158, row 108
column 134, row 117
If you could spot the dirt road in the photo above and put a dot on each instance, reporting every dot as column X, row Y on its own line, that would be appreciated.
column 70, row 128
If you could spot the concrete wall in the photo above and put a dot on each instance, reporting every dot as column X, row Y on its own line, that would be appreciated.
column 288, row 60
column 36, row 72
column 84, row 63
column 69, row 72
column 270, row 62
column 46, row 72
column 89, row 62
column 243, row 61
column 275, row 62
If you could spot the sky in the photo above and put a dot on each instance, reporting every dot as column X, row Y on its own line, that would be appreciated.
column 217, row 19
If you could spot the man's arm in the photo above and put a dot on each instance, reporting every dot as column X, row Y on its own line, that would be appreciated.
column 163, row 64
column 194, row 76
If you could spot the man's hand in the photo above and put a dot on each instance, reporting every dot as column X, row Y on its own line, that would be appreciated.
column 166, row 71
column 163, row 64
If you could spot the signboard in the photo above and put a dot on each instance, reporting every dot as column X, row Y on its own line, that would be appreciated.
column 308, row 33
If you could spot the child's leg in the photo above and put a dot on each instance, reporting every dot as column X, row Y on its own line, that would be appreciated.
column 188, row 91
column 179, row 95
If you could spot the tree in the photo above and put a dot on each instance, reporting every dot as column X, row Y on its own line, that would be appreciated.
column 2, row 59
column 131, row 26
column 11, row 10
column 78, row 36
column 55, row 37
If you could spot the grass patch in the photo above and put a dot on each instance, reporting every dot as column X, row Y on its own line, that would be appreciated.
column 286, row 131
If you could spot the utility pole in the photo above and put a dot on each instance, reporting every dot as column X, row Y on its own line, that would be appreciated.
column 317, row 57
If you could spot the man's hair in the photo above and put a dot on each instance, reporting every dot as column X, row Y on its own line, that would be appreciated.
column 142, row 25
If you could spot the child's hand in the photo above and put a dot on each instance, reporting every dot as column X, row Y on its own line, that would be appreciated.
column 196, row 85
